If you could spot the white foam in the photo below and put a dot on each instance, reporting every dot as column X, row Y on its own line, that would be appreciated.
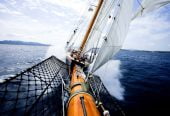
column 110, row 75
column 58, row 51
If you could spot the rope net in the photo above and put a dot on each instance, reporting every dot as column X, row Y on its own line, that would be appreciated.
column 36, row 91
column 40, row 91
column 100, row 93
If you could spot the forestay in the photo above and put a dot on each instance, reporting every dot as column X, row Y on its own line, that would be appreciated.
column 116, row 34
column 149, row 5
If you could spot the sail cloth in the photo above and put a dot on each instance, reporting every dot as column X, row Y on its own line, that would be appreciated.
column 100, row 24
column 119, row 26
column 148, row 6
column 116, row 33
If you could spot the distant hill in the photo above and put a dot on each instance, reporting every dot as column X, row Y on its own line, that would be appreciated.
column 137, row 50
column 22, row 43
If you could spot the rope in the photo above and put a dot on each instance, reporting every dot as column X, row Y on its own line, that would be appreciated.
column 63, row 106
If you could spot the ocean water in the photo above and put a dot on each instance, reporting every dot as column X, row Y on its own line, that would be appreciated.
column 146, row 82
column 15, row 58
column 145, row 76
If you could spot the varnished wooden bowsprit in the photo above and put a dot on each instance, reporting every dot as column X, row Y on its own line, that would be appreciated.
column 80, row 103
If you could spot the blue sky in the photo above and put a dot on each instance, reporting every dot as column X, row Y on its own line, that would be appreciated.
column 51, row 22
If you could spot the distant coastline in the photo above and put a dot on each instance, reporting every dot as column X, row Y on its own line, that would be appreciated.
column 11, row 42
column 137, row 50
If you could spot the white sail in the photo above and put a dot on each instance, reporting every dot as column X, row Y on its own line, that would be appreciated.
column 149, row 5
column 116, row 34
column 100, row 24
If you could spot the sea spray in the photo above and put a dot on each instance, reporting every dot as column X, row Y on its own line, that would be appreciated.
column 58, row 51
column 110, row 75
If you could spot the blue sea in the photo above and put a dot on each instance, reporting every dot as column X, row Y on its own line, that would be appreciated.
column 146, row 80
column 146, row 76
column 15, row 58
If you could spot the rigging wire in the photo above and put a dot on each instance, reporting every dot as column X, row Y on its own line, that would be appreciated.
column 140, row 4
column 79, row 26
column 76, row 26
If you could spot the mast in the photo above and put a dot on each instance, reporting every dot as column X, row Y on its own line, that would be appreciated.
column 91, row 25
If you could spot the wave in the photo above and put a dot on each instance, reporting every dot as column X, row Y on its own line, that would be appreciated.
column 110, row 75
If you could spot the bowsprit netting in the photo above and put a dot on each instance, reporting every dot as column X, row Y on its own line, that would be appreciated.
column 36, row 91
column 42, row 90
column 101, row 94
